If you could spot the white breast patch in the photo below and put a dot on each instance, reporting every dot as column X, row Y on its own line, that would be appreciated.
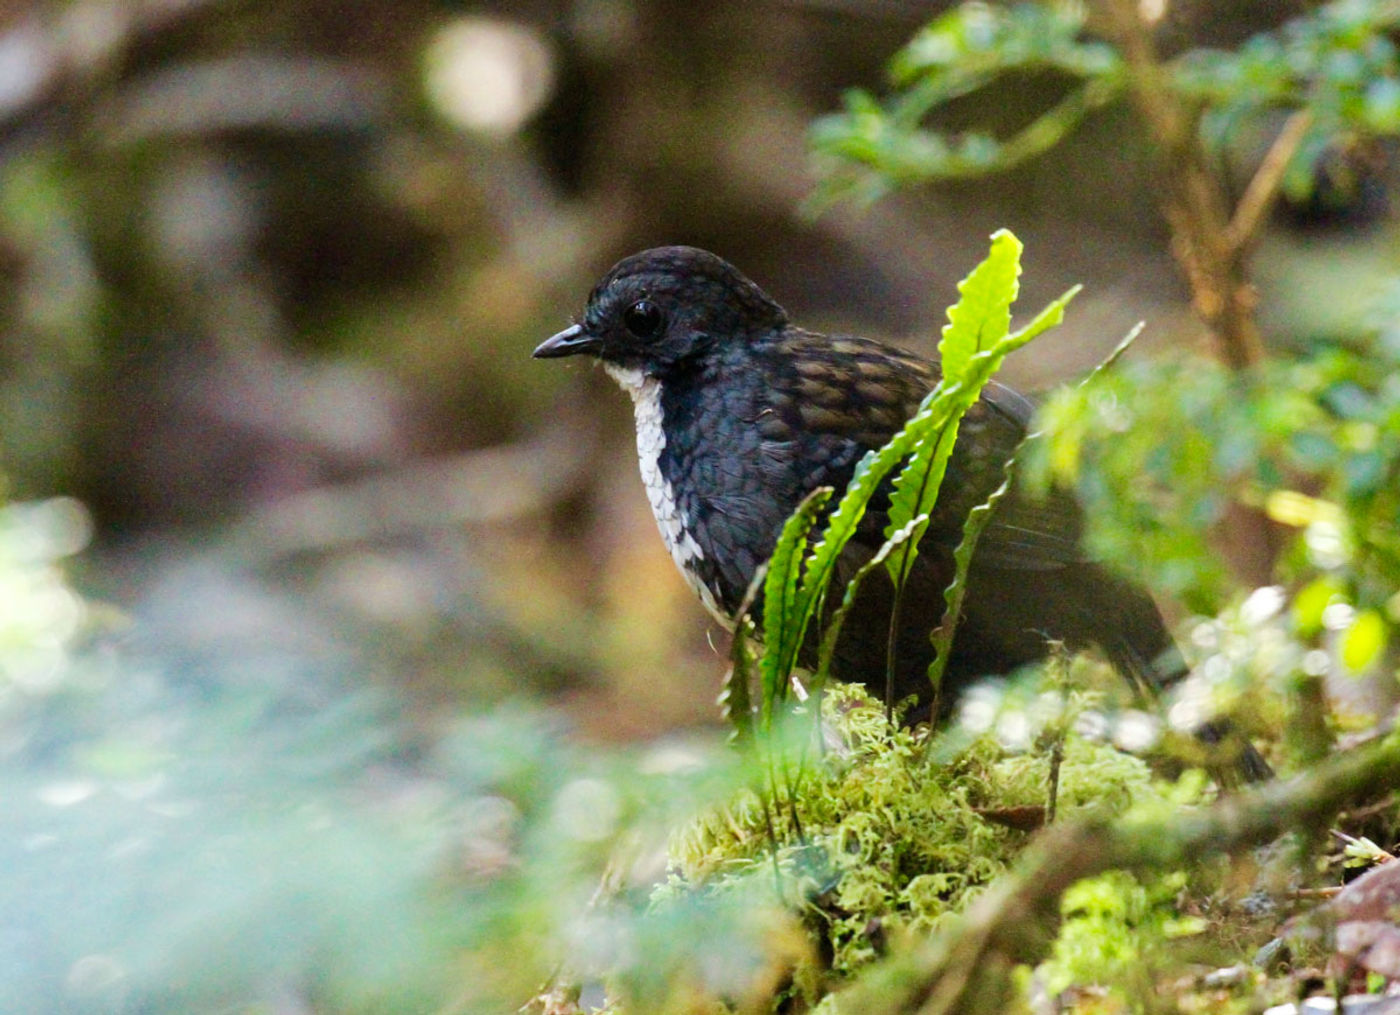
column 651, row 441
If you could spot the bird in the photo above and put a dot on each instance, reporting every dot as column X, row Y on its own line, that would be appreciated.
column 740, row 414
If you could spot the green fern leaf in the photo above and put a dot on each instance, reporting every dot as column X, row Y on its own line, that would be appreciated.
column 785, row 612
column 735, row 701
column 953, row 595
column 982, row 316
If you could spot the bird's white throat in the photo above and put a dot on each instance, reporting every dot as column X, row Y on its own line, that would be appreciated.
column 670, row 519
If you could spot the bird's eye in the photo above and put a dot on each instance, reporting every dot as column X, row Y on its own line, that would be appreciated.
column 643, row 319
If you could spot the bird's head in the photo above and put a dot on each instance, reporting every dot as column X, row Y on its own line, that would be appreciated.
column 663, row 307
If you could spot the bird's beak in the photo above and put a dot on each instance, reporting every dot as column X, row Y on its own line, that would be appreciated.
column 569, row 342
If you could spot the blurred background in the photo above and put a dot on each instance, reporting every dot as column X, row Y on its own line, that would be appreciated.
column 270, row 274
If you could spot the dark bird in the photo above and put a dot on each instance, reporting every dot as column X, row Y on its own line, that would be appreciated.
column 740, row 414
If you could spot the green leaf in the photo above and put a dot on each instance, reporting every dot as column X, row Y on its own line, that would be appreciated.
column 982, row 316
column 1000, row 39
column 868, row 474
column 1051, row 317
column 785, row 611
column 1107, row 363
column 976, row 323
column 1311, row 600
column 1363, row 642
column 873, row 144
column 956, row 591
column 916, row 490
column 794, row 592
column 937, row 408
column 976, row 341
column 735, row 702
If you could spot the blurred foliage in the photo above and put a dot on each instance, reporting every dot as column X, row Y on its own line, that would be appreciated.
column 1162, row 454
column 1170, row 457
column 1338, row 62
column 871, row 146
column 338, row 862
column 294, row 845
column 1119, row 931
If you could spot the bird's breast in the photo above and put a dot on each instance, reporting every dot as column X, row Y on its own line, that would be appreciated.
column 673, row 521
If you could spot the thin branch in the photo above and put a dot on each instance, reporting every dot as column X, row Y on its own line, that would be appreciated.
column 1195, row 203
column 1263, row 187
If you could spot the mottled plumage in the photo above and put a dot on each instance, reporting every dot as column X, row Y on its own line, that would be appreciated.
column 740, row 414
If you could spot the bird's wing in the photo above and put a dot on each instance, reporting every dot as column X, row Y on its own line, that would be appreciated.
column 833, row 399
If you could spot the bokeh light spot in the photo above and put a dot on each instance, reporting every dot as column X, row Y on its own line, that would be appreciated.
column 488, row 76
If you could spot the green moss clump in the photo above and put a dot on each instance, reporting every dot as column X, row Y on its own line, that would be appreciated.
column 1114, row 926
column 872, row 841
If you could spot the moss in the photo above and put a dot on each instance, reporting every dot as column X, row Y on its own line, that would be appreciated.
column 875, row 841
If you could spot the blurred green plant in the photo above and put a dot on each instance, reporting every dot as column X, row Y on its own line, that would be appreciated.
column 872, row 146
column 1295, row 461
column 1162, row 453
column 1116, row 930
column 334, row 857
column 1331, row 76
column 179, row 838
column 1338, row 62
